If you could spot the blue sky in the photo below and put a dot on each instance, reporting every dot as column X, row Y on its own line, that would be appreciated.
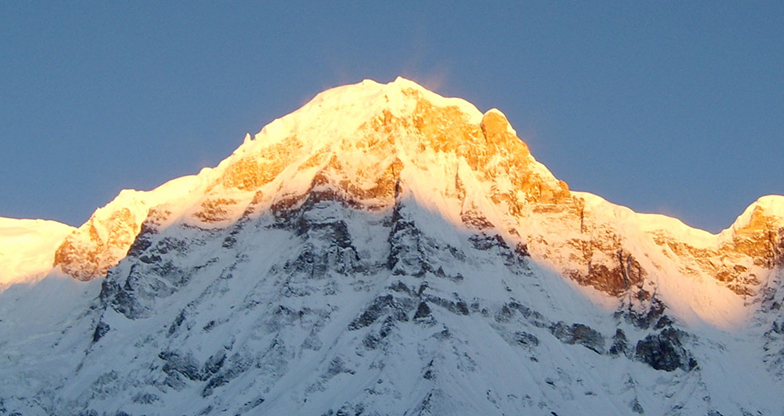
column 669, row 107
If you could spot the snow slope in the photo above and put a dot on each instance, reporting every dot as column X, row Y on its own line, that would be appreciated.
column 27, row 248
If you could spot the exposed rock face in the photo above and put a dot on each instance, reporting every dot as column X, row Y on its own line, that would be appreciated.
column 88, row 253
column 741, row 258
column 100, row 243
column 579, row 334
column 664, row 351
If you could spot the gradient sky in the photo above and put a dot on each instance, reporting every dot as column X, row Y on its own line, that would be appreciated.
column 668, row 107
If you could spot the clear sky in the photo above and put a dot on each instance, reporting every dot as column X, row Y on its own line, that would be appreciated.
column 670, row 107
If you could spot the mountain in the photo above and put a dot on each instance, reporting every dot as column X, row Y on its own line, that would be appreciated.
column 385, row 250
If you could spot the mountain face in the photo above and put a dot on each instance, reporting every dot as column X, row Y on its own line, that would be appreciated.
column 384, row 250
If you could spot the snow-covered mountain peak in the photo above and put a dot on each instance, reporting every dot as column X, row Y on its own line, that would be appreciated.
column 356, row 137
column 385, row 250
column 368, row 123
column 340, row 111
column 364, row 143
column 766, row 213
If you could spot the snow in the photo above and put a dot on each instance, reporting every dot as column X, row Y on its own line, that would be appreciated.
column 339, row 112
column 771, row 206
column 27, row 248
